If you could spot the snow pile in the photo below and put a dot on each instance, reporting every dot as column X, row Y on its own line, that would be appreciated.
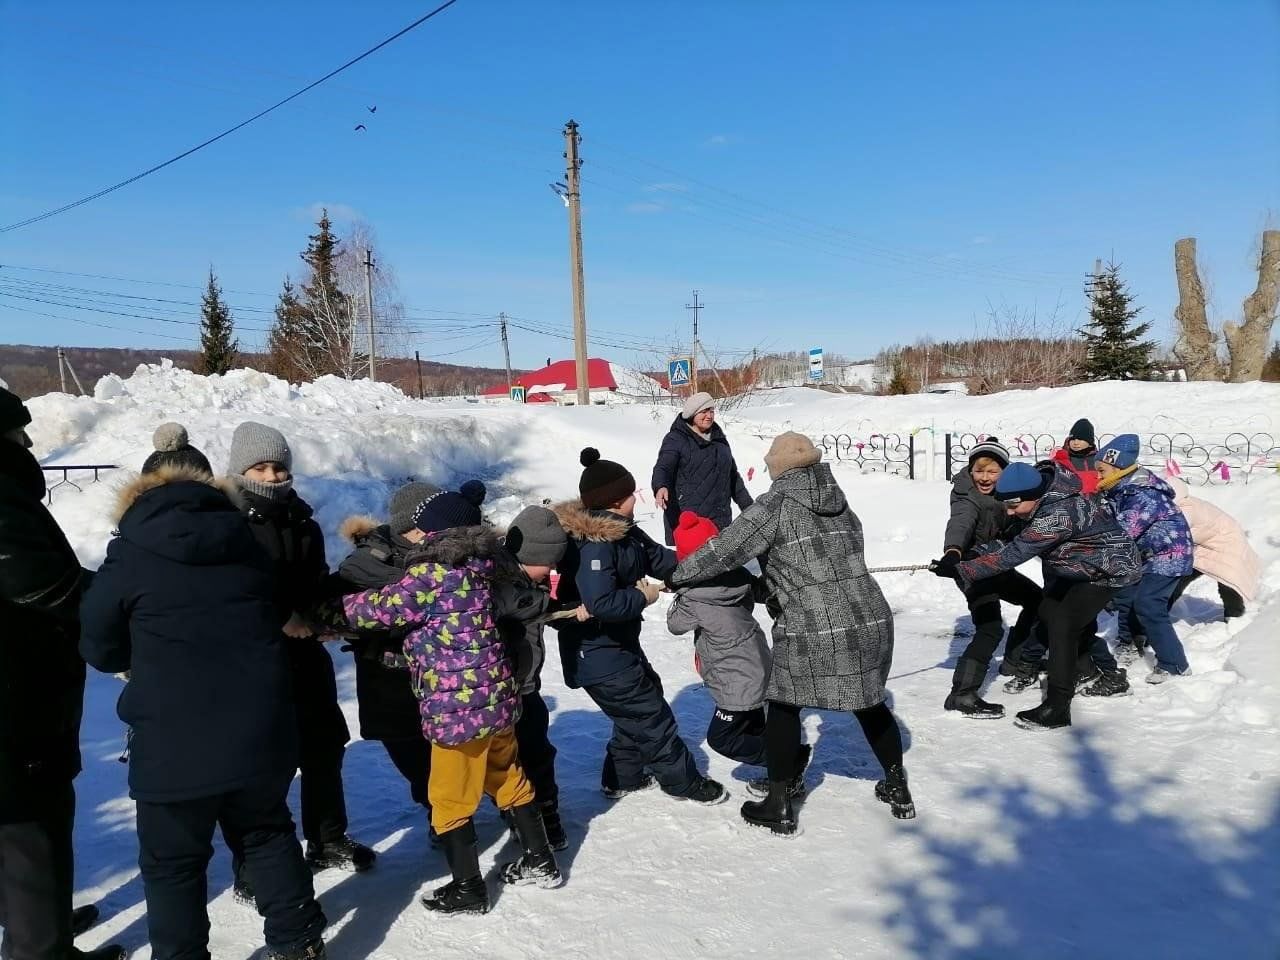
column 1147, row 830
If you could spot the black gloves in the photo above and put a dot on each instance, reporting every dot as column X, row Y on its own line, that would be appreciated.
column 945, row 566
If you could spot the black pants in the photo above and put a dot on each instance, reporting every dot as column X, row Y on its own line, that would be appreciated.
column 645, row 736
column 322, row 742
column 176, row 842
column 1026, row 637
column 738, row 735
column 1232, row 602
column 782, row 737
column 36, row 882
column 1069, row 611
column 537, row 753
column 412, row 757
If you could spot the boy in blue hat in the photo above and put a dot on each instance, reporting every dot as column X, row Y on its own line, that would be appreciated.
column 1086, row 558
column 1143, row 506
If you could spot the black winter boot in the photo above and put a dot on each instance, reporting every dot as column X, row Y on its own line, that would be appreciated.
column 555, row 829
column 83, row 919
column 344, row 853
column 241, row 888
column 110, row 952
column 795, row 786
column 964, row 697
column 1112, row 683
column 1047, row 716
column 467, row 892
column 774, row 811
column 617, row 793
column 538, row 865
column 1025, row 676
column 308, row 951
column 893, row 791
column 708, row 792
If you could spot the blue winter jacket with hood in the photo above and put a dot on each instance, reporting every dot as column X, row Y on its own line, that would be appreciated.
column 1143, row 506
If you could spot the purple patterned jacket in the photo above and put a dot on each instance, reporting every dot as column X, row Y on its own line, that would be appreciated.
column 462, row 675
column 1144, row 507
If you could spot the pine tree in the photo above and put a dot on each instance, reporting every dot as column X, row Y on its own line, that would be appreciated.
column 1115, row 349
column 219, row 349
column 900, row 382
column 287, row 341
column 1271, row 369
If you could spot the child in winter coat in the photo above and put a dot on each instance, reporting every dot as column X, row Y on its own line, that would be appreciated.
column 604, row 568
column 1221, row 551
column 977, row 518
column 1143, row 505
column 185, row 601
column 260, row 464
column 467, row 691
column 1077, row 454
column 534, row 544
column 733, row 656
column 388, row 708
column 1086, row 559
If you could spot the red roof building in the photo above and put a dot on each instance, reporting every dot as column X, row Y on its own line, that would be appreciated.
column 560, row 377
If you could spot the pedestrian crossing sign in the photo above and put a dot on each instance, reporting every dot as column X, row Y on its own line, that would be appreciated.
column 517, row 394
column 679, row 372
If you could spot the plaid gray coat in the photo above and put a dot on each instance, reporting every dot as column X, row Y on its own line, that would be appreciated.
column 833, row 639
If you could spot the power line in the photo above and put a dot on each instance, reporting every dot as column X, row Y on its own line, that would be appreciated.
column 244, row 123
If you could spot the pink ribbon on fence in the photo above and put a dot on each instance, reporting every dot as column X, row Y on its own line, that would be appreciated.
column 1171, row 468
column 1022, row 445
column 751, row 472
column 1222, row 470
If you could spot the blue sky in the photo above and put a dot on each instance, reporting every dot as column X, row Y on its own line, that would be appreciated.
column 826, row 173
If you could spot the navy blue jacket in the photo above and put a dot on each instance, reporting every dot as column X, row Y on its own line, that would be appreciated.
column 607, row 555
column 184, row 601
column 699, row 474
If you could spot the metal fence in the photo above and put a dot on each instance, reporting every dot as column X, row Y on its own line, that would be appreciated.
column 883, row 452
column 66, row 470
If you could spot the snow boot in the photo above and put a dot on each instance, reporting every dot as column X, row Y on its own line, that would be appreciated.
column 466, row 892
column 1161, row 675
column 795, row 786
column 964, row 692
column 538, row 865
column 241, row 888
column 343, row 853
column 1086, row 672
column 893, row 791
column 774, row 812
column 555, row 829
column 1126, row 654
column 1026, row 675
column 1112, row 683
column 111, row 951
column 83, row 919
column 708, row 792
column 617, row 793
column 308, row 951
column 1047, row 716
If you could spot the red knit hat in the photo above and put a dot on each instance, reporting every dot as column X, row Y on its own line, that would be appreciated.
column 691, row 532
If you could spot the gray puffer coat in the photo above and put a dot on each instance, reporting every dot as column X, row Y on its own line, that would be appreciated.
column 976, row 517
column 833, row 637
column 733, row 655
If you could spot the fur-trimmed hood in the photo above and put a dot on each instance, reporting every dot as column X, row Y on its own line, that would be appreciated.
column 597, row 526
column 356, row 528
column 186, row 516
column 458, row 545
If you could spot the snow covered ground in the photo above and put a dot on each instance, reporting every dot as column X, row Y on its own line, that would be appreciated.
column 1150, row 829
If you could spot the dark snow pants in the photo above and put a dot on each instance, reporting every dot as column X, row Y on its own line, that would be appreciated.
column 1026, row 637
column 412, row 757
column 738, row 735
column 1232, row 602
column 176, row 841
column 782, row 736
column 1069, row 611
column 537, row 753
column 36, row 882
column 322, row 742
column 645, row 736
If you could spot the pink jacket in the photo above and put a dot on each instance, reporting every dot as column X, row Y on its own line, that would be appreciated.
column 1221, row 549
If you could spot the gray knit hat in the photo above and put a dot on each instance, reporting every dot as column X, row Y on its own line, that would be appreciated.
column 404, row 501
column 536, row 537
column 696, row 404
column 255, row 443
column 990, row 447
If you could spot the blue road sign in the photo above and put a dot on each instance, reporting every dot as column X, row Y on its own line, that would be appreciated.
column 815, row 363
column 517, row 394
column 679, row 372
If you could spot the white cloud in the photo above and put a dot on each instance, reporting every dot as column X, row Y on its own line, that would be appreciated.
column 645, row 207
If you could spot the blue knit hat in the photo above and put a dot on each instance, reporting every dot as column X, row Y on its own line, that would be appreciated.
column 1122, row 452
column 1021, row 481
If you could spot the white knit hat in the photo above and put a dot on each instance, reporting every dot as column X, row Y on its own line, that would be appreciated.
column 696, row 404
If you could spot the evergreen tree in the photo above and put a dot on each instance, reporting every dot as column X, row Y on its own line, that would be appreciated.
column 1114, row 346
column 219, row 349
column 1271, row 369
column 900, row 382
column 287, row 342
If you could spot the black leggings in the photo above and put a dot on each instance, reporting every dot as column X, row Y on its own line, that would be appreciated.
column 782, row 737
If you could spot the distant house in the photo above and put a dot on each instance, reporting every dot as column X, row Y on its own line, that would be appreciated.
column 558, row 383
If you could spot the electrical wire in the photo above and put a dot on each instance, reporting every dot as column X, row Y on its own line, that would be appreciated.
column 230, row 130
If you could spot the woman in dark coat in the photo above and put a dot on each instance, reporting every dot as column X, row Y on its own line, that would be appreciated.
column 833, row 630
column 695, row 469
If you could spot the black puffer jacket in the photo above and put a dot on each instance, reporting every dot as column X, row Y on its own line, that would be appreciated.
column 700, row 475
column 976, row 518
column 388, row 708
column 41, row 674
column 184, row 601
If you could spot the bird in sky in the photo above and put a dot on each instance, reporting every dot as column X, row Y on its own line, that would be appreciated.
column 374, row 108
column 361, row 126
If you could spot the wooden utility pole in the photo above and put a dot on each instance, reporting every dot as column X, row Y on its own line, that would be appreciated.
column 574, row 196
column 506, row 348
column 697, row 344
column 368, row 294
column 62, row 370
column 418, row 360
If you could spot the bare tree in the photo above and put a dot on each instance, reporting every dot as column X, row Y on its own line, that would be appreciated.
column 1196, row 346
column 392, row 335
column 1247, row 342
